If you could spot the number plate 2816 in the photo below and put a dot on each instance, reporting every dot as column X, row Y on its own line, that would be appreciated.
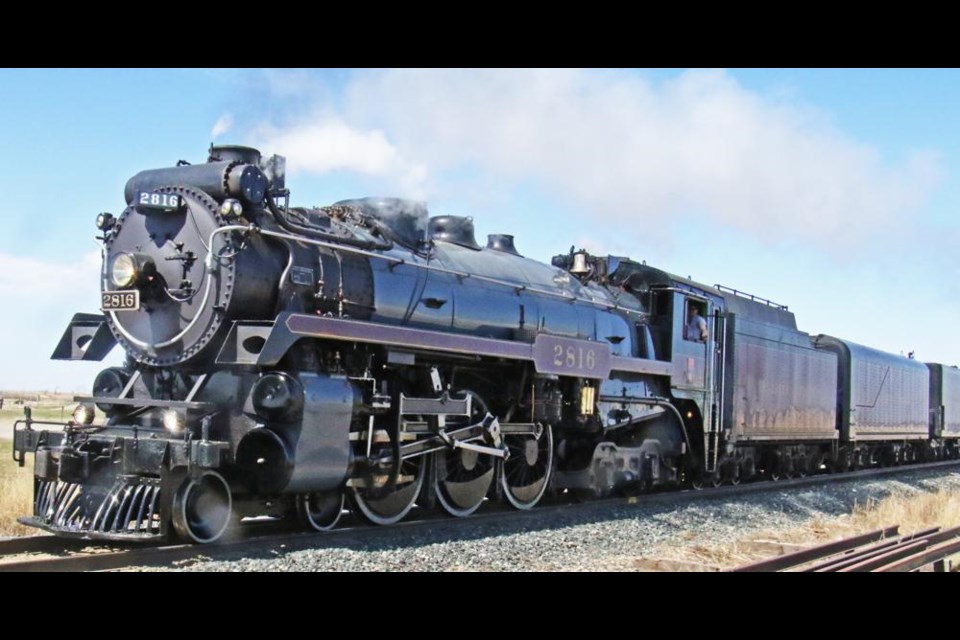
column 162, row 201
column 571, row 357
column 120, row 300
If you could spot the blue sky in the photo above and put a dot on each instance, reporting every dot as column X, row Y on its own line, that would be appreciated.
column 832, row 191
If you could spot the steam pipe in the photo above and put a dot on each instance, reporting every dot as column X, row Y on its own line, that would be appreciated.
column 652, row 402
column 322, row 235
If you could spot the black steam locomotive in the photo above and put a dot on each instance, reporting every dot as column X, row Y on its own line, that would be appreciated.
column 285, row 360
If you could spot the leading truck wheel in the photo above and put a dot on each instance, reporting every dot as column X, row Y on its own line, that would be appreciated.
column 201, row 508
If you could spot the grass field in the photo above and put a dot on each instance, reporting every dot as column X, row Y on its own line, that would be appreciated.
column 911, row 511
column 16, row 492
column 55, row 407
column 45, row 407
column 16, row 484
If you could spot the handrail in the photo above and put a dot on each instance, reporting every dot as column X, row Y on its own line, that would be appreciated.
column 460, row 275
column 750, row 296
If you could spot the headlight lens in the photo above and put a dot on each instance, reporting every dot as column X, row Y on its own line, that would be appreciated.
column 105, row 221
column 124, row 272
column 231, row 208
column 173, row 421
column 83, row 414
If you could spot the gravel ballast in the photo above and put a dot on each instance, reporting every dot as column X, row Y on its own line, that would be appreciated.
column 587, row 538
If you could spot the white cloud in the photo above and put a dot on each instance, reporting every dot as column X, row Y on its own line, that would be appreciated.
column 623, row 148
column 329, row 144
column 223, row 124
column 41, row 297
column 25, row 277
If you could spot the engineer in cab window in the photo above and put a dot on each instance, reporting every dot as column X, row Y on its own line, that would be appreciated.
column 696, row 327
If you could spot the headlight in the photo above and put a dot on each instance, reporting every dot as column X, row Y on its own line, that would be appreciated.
column 231, row 208
column 173, row 421
column 132, row 268
column 105, row 221
column 83, row 414
column 124, row 272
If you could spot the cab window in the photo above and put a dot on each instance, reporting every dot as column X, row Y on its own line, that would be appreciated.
column 695, row 321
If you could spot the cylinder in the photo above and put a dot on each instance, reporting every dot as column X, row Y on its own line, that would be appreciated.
column 266, row 460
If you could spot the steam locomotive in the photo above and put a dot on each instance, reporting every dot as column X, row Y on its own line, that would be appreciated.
column 285, row 361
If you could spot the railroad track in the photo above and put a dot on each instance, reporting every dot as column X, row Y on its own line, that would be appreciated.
column 883, row 550
column 61, row 554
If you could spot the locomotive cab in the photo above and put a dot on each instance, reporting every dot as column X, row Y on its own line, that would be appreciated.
column 696, row 380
